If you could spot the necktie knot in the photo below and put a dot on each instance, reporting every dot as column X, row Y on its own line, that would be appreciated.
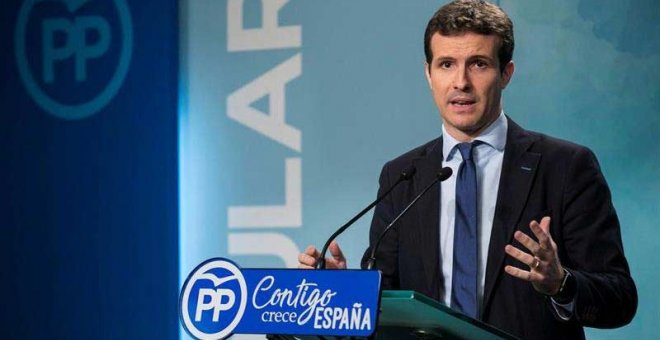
column 466, row 150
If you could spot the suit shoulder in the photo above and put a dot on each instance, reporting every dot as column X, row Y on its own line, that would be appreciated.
column 556, row 146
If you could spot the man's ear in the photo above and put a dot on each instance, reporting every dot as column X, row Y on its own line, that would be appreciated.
column 427, row 72
column 507, row 73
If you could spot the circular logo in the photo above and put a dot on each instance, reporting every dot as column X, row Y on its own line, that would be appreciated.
column 213, row 299
column 72, row 54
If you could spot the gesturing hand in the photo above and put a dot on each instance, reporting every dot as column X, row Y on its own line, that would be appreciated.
column 545, row 272
column 307, row 259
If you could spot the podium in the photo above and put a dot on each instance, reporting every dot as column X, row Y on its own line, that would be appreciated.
column 406, row 314
column 314, row 304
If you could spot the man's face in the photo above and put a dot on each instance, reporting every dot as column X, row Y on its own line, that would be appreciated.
column 466, row 82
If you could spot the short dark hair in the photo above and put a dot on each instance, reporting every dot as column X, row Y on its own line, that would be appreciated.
column 477, row 16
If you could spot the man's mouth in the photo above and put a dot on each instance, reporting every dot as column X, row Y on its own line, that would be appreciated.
column 462, row 101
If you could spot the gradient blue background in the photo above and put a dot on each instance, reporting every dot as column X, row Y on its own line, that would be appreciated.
column 88, row 226
column 102, row 218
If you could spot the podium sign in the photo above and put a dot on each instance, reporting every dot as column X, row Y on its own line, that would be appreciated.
column 219, row 299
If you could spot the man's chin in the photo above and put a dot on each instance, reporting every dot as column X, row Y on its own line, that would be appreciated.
column 467, row 125
column 470, row 123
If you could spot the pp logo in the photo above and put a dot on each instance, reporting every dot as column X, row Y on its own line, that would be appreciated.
column 213, row 299
column 73, row 55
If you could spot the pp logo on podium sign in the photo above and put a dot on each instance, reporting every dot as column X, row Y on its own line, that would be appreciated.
column 213, row 299
column 73, row 55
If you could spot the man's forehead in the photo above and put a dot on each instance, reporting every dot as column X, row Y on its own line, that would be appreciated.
column 464, row 43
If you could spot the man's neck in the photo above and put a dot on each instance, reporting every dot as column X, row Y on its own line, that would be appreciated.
column 468, row 136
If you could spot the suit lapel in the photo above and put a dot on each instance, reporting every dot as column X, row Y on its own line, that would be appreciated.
column 518, row 170
column 427, row 166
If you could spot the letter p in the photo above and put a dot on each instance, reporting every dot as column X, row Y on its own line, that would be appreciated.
column 52, row 53
column 95, row 50
column 216, row 302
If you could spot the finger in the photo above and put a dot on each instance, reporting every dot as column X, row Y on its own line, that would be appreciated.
column 337, row 259
column 520, row 255
column 306, row 260
column 527, row 241
column 545, row 224
column 541, row 234
column 308, row 257
column 312, row 251
column 336, row 252
column 522, row 274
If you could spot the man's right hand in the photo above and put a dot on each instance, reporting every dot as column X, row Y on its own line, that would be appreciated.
column 307, row 259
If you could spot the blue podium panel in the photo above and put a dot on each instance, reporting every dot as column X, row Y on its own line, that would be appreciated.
column 219, row 299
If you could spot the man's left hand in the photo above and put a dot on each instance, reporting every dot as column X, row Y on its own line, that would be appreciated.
column 545, row 272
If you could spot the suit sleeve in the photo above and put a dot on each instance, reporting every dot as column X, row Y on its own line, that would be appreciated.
column 387, row 255
column 592, row 248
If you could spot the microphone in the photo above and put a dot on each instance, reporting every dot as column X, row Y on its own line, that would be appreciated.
column 442, row 175
column 405, row 175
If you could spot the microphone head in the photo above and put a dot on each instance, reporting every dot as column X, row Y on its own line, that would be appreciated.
column 444, row 173
column 408, row 173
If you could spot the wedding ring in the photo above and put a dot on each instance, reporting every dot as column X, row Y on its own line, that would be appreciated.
column 536, row 263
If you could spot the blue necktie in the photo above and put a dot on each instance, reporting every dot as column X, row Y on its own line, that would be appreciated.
column 464, row 276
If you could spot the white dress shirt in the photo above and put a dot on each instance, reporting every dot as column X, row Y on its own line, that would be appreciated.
column 487, row 157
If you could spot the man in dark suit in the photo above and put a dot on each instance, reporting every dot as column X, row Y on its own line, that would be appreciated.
column 524, row 235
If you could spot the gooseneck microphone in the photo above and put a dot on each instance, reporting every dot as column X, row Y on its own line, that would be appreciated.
column 442, row 175
column 404, row 176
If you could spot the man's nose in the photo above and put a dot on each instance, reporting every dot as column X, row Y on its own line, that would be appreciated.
column 462, row 79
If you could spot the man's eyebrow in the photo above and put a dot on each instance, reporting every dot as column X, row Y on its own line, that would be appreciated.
column 480, row 56
column 470, row 58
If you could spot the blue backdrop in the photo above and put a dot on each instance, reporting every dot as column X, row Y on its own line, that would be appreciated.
column 88, row 193
column 138, row 138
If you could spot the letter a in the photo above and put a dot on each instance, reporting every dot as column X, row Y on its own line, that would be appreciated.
column 272, row 84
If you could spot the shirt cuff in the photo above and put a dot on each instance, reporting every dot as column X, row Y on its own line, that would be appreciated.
column 564, row 311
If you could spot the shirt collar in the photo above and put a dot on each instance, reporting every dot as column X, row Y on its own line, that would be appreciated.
column 494, row 135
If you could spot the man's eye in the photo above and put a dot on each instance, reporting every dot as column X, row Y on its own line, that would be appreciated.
column 445, row 64
column 480, row 64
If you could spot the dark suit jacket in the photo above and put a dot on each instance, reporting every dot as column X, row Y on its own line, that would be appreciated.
column 540, row 176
